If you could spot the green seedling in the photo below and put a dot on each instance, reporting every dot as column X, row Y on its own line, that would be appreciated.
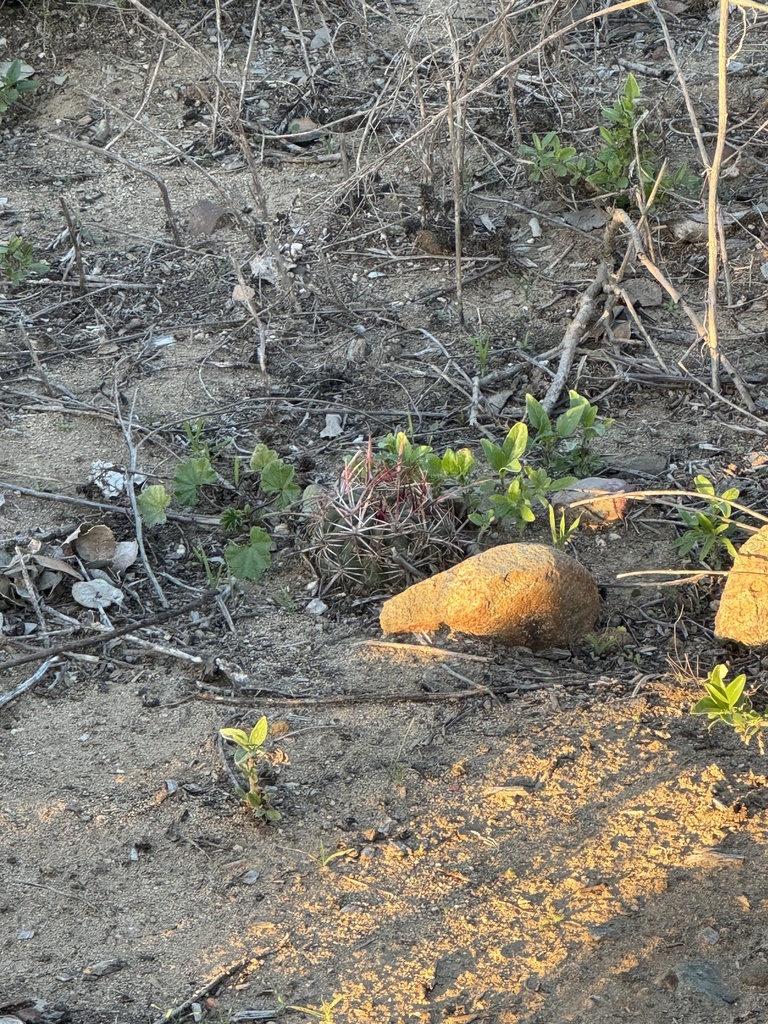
column 14, row 82
column 481, row 345
column 324, row 857
column 727, row 703
column 624, row 138
column 611, row 638
column 709, row 533
column 17, row 261
column 548, row 159
column 250, row 754
column 251, row 560
column 561, row 531
column 323, row 1013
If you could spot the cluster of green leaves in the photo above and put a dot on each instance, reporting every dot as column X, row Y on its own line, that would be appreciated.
column 727, row 703
column 249, row 756
column 709, row 532
column 274, row 491
column 520, row 466
column 480, row 344
column 609, row 170
column 17, row 261
column 13, row 85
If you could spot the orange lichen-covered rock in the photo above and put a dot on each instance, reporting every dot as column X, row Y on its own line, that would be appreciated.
column 527, row 595
column 743, row 611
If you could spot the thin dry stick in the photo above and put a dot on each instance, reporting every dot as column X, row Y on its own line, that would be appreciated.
column 74, row 237
column 145, row 99
column 209, row 986
column 648, row 339
column 248, row 55
column 131, row 492
column 27, row 684
column 238, row 130
column 32, row 594
column 105, row 636
column 683, row 86
column 247, row 297
column 712, row 499
column 219, row 66
column 622, row 217
column 67, row 499
column 713, row 249
column 453, row 131
column 573, row 335
column 134, row 167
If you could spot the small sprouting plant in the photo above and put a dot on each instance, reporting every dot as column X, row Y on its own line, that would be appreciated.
column 323, row 1013
column 249, row 756
column 613, row 162
column 17, row 261
column 14, row 82
column 610, row 169
column 561, row 531
column 609, row 639
column 480, row 344
column 548, row 159
column 727, row 703
column 565, row 444
column 709, row 532
column 270, row 485
column 326, row 856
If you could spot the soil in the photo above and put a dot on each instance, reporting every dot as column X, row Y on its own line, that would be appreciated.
column 467, row 832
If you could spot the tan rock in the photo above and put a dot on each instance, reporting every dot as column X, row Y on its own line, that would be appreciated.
column 527, row 595
column 743, row 611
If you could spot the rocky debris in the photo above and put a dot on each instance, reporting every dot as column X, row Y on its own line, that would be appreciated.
column 526, row 595
column 602, row 511
column 743, row 611
column 701, row 977
column 755, row 974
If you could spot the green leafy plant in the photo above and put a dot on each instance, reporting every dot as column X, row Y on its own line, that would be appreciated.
column 727, row 703
column 271, row 486
column 14, row 82
column 152, row 503
column 609, row 639
column 251, row 560
column 325, row 856
column 709, row 532
column 566, row 444
column 480, row 344
column 610, row 169
column 249, row 756
column 548, row 159
column 17, row 261
column 613, row 162
column 561, row 531
column 192, row 474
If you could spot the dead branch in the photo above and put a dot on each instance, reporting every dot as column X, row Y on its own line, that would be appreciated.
column 573, row 335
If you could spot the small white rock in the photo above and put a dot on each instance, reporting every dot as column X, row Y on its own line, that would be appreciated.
column 317, row 607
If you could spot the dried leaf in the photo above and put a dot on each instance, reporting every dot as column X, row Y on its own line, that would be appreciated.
column 642, row 291
column 243, row 294
column 56, row 565
column 96, row 546
column 332, row 426
column 205, row 217
column 126, row 553
column 586, row 219
column 96, row 594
